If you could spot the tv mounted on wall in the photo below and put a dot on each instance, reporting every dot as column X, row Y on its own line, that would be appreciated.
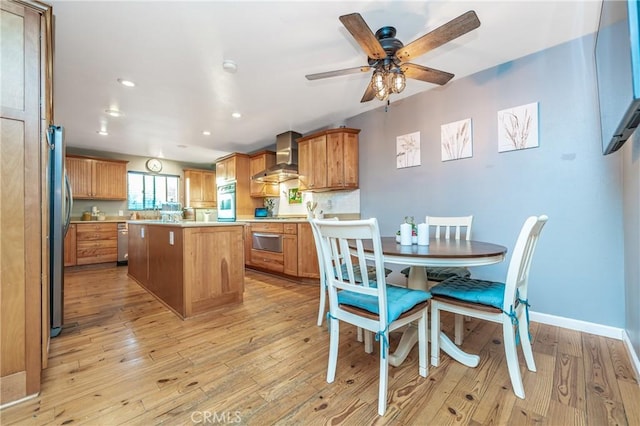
column 617, row 56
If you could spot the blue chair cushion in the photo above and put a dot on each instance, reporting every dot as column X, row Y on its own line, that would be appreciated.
column 399, row 300
column 471, row 290
column 371, row 272
column 441, row 273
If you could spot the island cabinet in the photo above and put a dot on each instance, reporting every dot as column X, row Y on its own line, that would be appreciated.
column 191, row 269
column 97, row 179
column 70, row 257
column 138, row 251
column 328, row 160
column 259, row 162
column 200, row 188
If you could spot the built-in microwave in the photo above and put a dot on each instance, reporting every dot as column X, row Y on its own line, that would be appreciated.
column 266, row 242
column 227, row 202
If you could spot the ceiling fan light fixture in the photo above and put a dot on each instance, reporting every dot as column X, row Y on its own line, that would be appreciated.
column 379, row 81
column 397, row 81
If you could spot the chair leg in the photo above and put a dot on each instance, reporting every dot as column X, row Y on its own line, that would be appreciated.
column 525, row 341
column 323, row 298
column 458, row 329
column 359, row 335
column 435, row 334
column 368, row 342
column 334, row 334
column 512, row 357
column 423, row 345
column 384, row 374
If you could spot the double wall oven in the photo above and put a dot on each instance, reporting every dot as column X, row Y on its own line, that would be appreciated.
column 227, row 202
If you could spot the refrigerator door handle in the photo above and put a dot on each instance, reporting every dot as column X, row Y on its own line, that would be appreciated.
column 68, row 203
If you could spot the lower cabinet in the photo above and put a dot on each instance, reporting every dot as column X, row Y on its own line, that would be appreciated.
column 298, row 257
column 191, row 270
column 70, row 255
column 96, row 243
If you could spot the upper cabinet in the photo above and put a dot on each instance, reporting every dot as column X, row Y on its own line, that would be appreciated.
column 97, row 179
column 259, row 162
column 200, row 188
column 328, row 160
column 226, row 169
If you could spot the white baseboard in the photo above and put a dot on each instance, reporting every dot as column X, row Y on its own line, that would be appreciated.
column 591, row 328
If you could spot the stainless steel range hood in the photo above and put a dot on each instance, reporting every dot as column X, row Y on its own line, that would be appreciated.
column 286, row 166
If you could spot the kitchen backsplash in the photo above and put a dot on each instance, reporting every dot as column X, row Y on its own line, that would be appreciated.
column 334, row 202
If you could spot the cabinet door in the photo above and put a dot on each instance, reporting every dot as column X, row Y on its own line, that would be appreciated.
column 109, row 180
column 193, row 184
column 79, row 171
column 305, row 165
column 230, row 169
column 307, row 255
column 70, row 246
column 342, row 160
column 209, row 189
column 166, row 265
column 138, row 253
column 221, row 172
column 318, row 151
column 290, row 251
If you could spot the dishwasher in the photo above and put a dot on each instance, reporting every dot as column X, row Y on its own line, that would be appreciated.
column 123, row 242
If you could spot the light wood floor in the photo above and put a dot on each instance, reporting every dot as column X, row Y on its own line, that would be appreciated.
column 125, row 359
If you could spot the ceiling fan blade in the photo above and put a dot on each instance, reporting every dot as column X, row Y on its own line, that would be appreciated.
column 453, row 29
column 336, row 73
column 363, row 35
column 369, row 94
column 430, row 75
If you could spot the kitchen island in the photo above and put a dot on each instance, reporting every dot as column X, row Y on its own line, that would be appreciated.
column 191, row 267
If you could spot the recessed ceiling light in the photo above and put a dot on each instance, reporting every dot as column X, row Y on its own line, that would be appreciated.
column 127, row 83
column 181, row 146
column 102, row 132
column 113, row 112
column 229, row 66
column 206, row 133
column 236, row 115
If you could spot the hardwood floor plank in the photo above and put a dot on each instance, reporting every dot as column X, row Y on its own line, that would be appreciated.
column 123, row 358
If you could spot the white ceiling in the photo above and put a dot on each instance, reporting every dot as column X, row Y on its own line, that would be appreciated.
column 174, row 51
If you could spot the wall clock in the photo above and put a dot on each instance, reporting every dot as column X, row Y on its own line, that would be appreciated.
column 154, row 165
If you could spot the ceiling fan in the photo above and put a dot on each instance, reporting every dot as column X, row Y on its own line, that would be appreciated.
column 388, row 57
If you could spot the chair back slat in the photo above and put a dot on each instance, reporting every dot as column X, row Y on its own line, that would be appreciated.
column 446, row 225
column 517, row 282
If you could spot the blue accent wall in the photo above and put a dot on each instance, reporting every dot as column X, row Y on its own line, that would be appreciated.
column 578, row 270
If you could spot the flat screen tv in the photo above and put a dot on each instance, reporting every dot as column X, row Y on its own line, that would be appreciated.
column 617, row 56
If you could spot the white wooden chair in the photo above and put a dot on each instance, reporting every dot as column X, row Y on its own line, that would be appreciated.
column 374, row 306
column 323, row 285
column 504, row 303
column 446, row 227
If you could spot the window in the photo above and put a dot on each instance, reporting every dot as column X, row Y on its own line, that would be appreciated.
column 148, row 192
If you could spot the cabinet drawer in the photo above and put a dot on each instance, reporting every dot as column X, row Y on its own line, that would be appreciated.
column 96, row 236
column 86, row 256
column 267, row 260
column 276, row 228
column 112, row 244
column 290, row 228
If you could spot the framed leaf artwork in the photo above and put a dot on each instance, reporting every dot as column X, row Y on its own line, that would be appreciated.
column 456, row 140
column 518, row 128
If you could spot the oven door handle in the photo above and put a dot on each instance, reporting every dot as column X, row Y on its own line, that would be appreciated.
column 266, row 235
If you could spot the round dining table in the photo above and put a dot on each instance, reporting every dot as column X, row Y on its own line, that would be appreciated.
column 439, row 252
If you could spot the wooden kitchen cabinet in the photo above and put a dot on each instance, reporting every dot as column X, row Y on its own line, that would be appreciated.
column 290, row 249
column 96, row 243
column 307, row 254
column 200, row 188
column 226, row 169
column 70, row 254
column 259, row 162
column 97, row 179
column 328, row 160
column 166, row 266
column 138, row 249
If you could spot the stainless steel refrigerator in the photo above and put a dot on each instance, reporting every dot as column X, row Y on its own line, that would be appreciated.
column 61, row 202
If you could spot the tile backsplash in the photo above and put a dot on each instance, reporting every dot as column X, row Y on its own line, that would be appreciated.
column 334, row 202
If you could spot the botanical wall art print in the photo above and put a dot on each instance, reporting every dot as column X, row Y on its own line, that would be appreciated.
column 408, row 150
column 456, row 140
column 295, row 196
column 518, row 127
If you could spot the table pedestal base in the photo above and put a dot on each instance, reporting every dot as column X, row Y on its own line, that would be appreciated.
column 410, row 338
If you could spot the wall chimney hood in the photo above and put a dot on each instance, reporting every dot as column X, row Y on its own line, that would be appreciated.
column 286, row 166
